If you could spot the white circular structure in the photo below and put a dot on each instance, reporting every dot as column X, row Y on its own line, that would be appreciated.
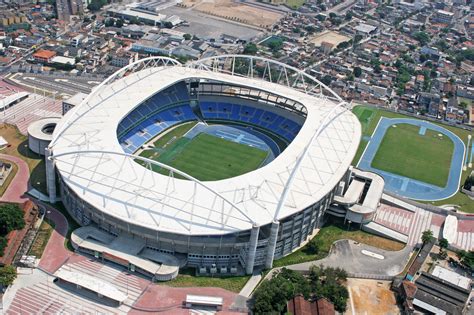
column 40, row 134
column 245, row 220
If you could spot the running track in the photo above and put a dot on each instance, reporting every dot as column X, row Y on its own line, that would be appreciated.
column 408, row 187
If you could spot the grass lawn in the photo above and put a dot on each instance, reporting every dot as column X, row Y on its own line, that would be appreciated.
column 331, row 233
column 19, row 148
column 208, row 157
column 42, row 238
column 187, row 278
column 10, row 177
column 295, row 4
column 462, row 200
column 405, row 152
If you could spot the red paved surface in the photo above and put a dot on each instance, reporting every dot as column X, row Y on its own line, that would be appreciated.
column 438, row 220
column 169, row 300
column 19, row 185
column 466, row 226
column 55, row 254
column 394, row 218
column 8, row 89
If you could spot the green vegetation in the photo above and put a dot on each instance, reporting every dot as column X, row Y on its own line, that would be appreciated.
column 327, row 236
column 295, row 4
column 466, row 259
column 11, row 218
column 405, row 152
column 272, row 295
column 205, row 157
column 7, row 275
column 427, row 236
column 19, row 148
column 187, row 278
column 42, row 238
column 368, row 126
column 208, row 157
column 96, row 5
column 10, row 177
column 250, row 49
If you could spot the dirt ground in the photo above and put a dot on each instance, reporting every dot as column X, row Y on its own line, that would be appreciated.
column 371, row 297
column 230, row 10
column 330, row 37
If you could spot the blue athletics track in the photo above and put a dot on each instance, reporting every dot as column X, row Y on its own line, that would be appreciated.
column 408, row 187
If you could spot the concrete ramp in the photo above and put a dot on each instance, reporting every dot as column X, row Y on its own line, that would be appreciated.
column 379, row 229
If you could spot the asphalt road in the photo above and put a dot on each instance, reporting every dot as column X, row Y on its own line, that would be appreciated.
column 361, row 259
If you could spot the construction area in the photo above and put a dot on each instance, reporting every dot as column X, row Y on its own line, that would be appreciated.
column 233, row 11
column 371, row 297
column 331, row 37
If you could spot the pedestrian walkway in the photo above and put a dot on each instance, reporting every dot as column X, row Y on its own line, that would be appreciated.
column 47, row 297
column 19, row 185
column 130, row 284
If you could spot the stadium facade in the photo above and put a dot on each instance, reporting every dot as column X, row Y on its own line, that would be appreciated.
column 235, row 223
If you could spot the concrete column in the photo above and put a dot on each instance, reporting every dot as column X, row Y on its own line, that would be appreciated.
column 50, row 176
column 252, row 249
column 272, row 240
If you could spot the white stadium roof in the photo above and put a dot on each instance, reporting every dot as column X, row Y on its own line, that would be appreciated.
column 92, row 163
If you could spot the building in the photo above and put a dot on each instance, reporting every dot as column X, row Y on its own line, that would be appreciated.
column 439, row 296
column 73, row 101
column 44, row 56
column 430, row 102
column 299, row 306
column 66, row 8
column 123, row 59
column 326, row 47
column 227, row 226
column 444, row 17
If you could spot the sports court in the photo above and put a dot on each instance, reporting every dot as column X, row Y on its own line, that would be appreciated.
column 408, row 187
column 213, row 152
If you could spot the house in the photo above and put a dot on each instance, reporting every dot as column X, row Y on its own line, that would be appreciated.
column 429, row 102
column 44, row 56
column 299, row 306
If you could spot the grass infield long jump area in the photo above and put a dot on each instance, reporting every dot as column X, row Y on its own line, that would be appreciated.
column 405, row 152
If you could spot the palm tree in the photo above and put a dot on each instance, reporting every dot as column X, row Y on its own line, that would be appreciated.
column 427, row 236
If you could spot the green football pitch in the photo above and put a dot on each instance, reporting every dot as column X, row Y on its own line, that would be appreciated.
column 207, row 157
column 405, row 152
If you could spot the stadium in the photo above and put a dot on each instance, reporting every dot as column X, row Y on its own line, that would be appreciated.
column 224, row 164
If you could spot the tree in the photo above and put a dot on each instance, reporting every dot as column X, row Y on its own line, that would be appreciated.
column 348, row 16
column 11, row 218
column 134, row 20
column 427, row 236
column 443, row 243
column 187, row 36
column 358, row 38
column 312, row 247
column 466, row 259
column 327, row 79
column 357, row 72
column 272, row 295
column 109, row 22
column 422, row 37
column 7, row 275
column 119, row 23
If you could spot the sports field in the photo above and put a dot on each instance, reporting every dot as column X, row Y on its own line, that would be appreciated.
column 205, row 157
column 405, row 152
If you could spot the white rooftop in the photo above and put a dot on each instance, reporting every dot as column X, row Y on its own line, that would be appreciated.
column 452, row 277
column 92, row 283
column 120, row 187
